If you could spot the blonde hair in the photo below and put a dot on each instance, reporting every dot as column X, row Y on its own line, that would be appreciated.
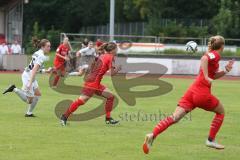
column 215, row 43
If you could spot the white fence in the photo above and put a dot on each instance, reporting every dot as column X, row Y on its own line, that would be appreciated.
column 174, row 66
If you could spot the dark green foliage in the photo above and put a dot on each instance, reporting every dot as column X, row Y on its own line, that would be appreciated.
column 181, row 16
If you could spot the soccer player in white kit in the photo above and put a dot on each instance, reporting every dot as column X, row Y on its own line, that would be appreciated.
column 30, row 92
column 87, row 55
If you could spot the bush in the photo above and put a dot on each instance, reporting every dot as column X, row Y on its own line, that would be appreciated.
column 52, row 35
column 228, row 53
column 178, row 52
column 196, row 31
column 174, row 29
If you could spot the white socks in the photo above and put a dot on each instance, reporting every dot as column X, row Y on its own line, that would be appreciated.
column 32, row 105
column 21, row 94
column 24, row 98
column 74, row 74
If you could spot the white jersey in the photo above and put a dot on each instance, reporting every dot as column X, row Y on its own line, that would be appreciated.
column 88, row 51
column 3, row 49
column 37, row 58
column 87, row 57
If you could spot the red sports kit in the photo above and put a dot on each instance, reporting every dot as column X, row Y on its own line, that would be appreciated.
column 199, row 93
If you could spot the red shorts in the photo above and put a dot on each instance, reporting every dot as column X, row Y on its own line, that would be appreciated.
column 59, row 66
column 90, row 91
column 191, row 100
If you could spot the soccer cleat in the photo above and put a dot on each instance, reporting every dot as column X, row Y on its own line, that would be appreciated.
column 147, row 143
column 214, row 144
column 63, row 120
column 111, row 121
column 30, row 115
column 9, row 89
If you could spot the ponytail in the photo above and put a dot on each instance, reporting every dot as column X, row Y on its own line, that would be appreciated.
column 35, row 42
column 39, row 43
column 215, row 43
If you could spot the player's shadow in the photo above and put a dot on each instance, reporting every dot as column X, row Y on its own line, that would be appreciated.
column 63, row 105
column 123, row 86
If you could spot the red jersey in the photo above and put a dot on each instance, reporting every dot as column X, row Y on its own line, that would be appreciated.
column 100, row 67
column 62, row 50
column 201, row 84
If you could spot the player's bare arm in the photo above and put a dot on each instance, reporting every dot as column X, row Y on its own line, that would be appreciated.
column 63, row 57
column 227, row 69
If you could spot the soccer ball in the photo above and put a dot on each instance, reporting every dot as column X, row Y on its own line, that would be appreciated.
column 191, row 46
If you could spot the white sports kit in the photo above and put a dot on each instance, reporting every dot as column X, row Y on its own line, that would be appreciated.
column 87, row 56
column 37, row 58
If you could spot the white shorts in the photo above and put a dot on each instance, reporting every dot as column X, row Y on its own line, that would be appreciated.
column 25, row 80
column 84, row 66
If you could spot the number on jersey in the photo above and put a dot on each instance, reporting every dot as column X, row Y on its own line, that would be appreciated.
column 31, row 65
column 211, row 55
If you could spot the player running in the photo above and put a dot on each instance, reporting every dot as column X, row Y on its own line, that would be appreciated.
column 30, row 92
column 199, row 95
column 93, row 84
column 87, row 56
column 60, row 60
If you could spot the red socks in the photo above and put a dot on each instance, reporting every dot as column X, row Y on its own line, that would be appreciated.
column 56, row 79
column 73, row 107
column 215, row 126
column 162, row 125
column 108, row 106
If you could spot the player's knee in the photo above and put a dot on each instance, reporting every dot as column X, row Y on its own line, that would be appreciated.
column 29, row 100
column 80, row 73
column 220, row 109
column 175, row 118
column 79, row 102
column 38, row 94
column 83, row 99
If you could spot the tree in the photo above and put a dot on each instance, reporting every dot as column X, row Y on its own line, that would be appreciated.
column 154, row 11
column 227, row 22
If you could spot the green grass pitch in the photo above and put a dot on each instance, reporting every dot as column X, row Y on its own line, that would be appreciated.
column 43, row 138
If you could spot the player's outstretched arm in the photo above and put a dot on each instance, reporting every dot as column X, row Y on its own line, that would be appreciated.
column 63, row 57
column 227, row 69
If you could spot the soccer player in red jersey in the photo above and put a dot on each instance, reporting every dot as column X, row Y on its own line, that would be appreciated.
column 60, row 60
column 199, row 95
column 93, row 84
